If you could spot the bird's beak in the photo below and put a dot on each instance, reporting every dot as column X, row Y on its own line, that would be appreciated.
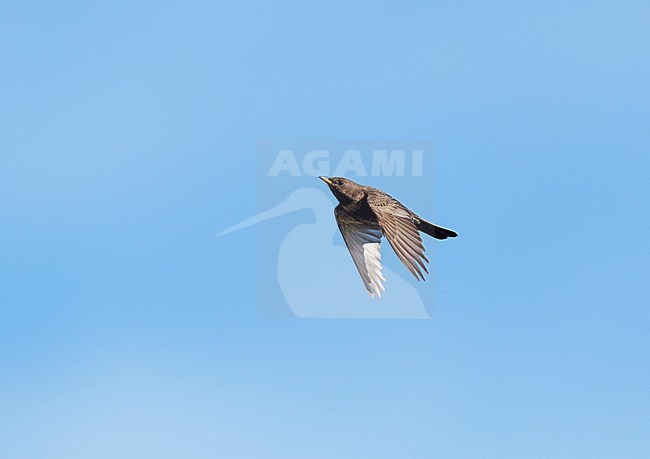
column 326, row 180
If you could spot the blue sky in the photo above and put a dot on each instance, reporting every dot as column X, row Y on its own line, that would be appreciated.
column 128, row 133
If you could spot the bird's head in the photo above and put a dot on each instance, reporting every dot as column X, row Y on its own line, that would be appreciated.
column 343, row 189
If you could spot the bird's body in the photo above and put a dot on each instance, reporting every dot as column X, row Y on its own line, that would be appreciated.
column 364, row 215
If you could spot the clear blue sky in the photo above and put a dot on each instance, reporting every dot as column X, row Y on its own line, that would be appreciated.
column 128, row 133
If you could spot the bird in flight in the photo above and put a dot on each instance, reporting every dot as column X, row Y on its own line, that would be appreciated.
column 364, row 215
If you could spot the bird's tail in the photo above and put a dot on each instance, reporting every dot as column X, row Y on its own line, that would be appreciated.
column 435, row 231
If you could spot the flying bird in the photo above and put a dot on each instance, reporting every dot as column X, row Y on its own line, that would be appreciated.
column 365, row 214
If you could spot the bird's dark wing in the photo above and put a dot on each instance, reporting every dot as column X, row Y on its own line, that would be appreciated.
column 363, row 242
column 396, row 222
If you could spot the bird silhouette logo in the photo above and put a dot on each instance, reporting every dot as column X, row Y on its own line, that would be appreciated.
column 309, row 264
